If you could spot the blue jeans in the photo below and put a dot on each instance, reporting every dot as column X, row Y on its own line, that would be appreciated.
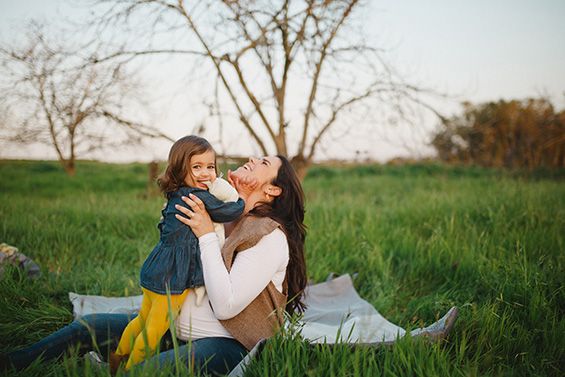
column 102, row 332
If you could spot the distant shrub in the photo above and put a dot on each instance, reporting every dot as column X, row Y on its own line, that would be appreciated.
column 509, row 134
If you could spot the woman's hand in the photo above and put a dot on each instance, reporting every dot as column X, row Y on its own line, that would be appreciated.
column 244, row 185
column 197, row 218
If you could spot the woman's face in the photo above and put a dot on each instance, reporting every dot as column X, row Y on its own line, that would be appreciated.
column 263, row 169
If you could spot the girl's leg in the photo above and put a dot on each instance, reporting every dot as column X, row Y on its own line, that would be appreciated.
column 90, row 332
column 156, row 325
column 215, row 356
column 133, row 329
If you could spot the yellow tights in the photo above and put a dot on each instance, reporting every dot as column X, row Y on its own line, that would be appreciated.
column 151, row 324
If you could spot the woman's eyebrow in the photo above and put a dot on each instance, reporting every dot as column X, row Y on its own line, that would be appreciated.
column 267, row 161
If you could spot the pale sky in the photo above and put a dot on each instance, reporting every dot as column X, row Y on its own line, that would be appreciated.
column 475, row 50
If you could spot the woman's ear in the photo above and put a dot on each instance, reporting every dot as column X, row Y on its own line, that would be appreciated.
column 273, row 190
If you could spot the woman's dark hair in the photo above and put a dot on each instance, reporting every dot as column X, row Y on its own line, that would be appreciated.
column 288, row 210
column 179, row 162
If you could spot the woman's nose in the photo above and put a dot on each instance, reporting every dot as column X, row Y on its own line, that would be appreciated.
column 253, row 159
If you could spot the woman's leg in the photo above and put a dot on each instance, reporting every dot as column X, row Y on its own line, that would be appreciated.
column 134, row 328
column 156, row 325
column 89, row 332
column 215, row 355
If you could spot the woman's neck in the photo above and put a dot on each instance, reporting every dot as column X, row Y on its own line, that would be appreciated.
column 252, row 201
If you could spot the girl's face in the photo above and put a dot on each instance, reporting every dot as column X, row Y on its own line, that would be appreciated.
column 202, row 169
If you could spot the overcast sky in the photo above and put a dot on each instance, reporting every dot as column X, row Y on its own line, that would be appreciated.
column 476, row 50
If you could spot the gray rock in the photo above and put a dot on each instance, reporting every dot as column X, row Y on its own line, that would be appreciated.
column 9, row 255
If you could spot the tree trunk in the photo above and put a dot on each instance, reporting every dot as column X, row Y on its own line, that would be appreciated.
column 69, row 166
column 153, row 172
column 301, row 165
column 280, row 144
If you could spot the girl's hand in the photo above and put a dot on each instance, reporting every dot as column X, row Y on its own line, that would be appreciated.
column 244, row 185
column 197, row 218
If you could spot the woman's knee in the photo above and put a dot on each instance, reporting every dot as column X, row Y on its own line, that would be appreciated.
column 88, row 320
column 101, row 327
column 96, row 319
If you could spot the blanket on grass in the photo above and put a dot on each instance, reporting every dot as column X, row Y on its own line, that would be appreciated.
column 335, row 314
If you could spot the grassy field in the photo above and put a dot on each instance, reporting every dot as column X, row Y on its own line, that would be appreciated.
column 421, row 238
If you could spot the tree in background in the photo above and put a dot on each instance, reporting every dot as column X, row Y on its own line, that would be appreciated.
column 512, row 134
column 289, row 69
column 50, row 96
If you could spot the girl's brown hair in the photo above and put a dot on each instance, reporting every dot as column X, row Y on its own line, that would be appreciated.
column 179, row 162
column 288, row 210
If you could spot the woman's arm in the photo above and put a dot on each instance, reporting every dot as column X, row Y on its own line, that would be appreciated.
column 252, row 270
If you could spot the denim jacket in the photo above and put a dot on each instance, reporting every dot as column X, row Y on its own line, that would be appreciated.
column 175, row 261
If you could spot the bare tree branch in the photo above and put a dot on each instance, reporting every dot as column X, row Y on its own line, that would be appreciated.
column 133, row 53
column 269, row 56
column 54, row 93
column 216, row 63
column 318, row 70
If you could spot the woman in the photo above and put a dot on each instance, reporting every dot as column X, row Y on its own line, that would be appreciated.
column 261, row 264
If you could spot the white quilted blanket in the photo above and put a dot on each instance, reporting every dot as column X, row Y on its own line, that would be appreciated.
column 336, row 313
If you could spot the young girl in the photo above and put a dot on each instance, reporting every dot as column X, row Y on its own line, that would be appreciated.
column 174, row 265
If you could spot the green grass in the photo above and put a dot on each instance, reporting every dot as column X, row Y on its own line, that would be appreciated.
column 421, row 238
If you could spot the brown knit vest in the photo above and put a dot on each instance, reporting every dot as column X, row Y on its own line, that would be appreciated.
column 265, row 314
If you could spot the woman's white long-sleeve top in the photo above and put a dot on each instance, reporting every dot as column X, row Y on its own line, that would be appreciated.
column 230, row 292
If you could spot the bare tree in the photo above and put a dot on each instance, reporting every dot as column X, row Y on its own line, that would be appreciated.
column 55, row 99
column 285, row 66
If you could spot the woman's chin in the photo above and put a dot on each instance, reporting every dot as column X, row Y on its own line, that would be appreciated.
column 240, row 172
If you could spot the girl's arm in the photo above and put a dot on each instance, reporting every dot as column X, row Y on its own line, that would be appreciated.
column 220, row 212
